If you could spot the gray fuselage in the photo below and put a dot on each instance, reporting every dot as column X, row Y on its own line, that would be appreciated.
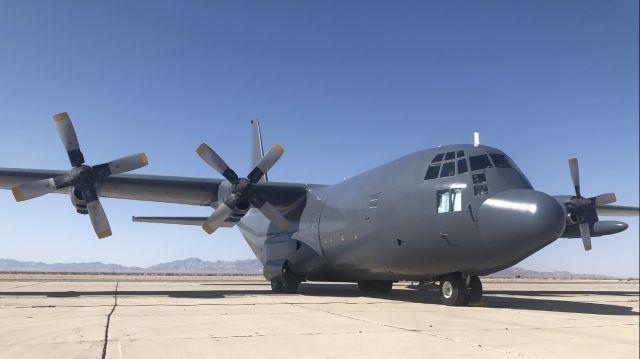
column 390, row 223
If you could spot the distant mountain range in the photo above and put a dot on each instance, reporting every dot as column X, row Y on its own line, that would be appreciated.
column 198, row 266
column 185, row 266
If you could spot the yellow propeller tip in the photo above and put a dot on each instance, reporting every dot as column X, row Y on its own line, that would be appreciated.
column 17, row 193
column 573, row 161
column 202, row 148
column 60, row 117
column 104, row 234
column 613, row 197
column 143, row 158
column 278, row 149
column 283, row 225
column 207, row 228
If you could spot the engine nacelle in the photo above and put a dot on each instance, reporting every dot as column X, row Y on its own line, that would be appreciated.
column 78, row 202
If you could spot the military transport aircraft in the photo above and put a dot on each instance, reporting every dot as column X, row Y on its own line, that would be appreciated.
column 447, row 215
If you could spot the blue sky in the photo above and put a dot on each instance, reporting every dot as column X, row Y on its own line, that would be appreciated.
column 343, row 86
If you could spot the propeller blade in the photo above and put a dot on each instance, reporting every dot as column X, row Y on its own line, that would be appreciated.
column 33, row 189
column 605, row 198
column 99, row 219
column 266, row 163
column 67, row 135
column 575, row 174
column 586, row 235
column 269, row 211
column 216, row 162
column 129, row 163
column 621, row 211
column 217, row 218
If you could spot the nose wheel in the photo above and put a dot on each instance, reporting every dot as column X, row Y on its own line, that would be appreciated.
column 458, row 291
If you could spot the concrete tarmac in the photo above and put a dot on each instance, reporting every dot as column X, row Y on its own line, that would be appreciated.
column 209, row 317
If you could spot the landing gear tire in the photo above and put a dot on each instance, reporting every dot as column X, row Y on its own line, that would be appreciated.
column 375, row 286
column 276, row 286
column 288, row 283
column 475, row 291
column 453, row 291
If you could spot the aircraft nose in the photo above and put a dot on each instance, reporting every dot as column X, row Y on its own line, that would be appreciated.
column 516, row 223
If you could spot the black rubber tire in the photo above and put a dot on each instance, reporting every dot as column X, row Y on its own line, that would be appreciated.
column 456, row 293
column 290, row 284
column 276, row 286
column 383, row 286
column 366, row 287
column 475, row 292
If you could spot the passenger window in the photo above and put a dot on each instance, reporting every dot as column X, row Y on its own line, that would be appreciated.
column 500, row 161
column 443, row 201
column 438, row 158
column 448, row 169
column 480, row 190
column 479, row 162
column 450, row 156
column 462, row 166
column 479, row 178
column 460, row 154
column 432, row 172
column 456, row 199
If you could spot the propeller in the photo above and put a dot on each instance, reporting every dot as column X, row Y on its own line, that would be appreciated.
column 243, row 193
column 583, row 210
column 81, row 177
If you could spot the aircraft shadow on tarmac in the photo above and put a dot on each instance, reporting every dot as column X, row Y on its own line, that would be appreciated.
column 525, row 300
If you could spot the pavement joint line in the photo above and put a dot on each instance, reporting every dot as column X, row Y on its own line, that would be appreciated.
column 106, row 330
column 419, row 331
column 21, row 286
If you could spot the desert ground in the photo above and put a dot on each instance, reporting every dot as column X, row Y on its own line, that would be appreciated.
column 138, row 316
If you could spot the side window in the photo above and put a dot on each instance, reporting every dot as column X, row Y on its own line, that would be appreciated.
column 443, row 201
column 462, row 166
column 479, row 178
column 432, row 172
column 449, row 200
column 456, row 199
column 480, row 190
column 448, row 169
column 479, row 162
column 438, row 158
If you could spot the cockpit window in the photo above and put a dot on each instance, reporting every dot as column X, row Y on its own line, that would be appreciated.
column 479, row 162
column 448, row 169
column 500, row 161
column 432, row 172
column 438, row 158
column 450, row 156
column 462, row 166
column 460, row 154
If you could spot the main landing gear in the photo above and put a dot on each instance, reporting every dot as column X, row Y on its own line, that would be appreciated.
column 456, row 290
column 288, row 283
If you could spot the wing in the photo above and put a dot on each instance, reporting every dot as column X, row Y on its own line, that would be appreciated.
column 180, row 190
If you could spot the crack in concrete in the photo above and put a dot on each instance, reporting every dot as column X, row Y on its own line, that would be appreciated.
column 106, row 330
column 420, row 331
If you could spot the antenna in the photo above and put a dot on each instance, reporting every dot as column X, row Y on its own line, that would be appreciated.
column 476, row 139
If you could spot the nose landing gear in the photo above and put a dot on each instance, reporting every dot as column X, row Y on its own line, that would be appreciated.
column 456, row 290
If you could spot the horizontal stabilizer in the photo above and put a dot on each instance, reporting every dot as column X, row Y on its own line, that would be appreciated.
column 189, row 221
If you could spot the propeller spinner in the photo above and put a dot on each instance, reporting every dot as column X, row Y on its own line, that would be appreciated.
column 243, row 190
column 583, row 210
column 81, row 177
